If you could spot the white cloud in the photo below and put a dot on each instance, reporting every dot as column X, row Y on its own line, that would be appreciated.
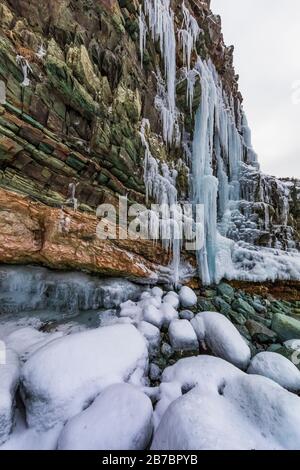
column 265, row 34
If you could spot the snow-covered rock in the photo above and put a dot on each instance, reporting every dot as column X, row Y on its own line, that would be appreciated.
column 130, row 309
column 153, row 315
column 168, row 313
column 222, row 338
column 157, row 292
column 27, row 340
column 152, row 335
column 278, row 368
column 182, row 336
column 293, row 344
column 186, row 315
column 120, row 418
column 59, row 379
column 223, row 409
column 187, row 297
column 172, row 299
column 9, row 377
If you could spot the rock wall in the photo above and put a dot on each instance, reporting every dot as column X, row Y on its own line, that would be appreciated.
column 80, row 119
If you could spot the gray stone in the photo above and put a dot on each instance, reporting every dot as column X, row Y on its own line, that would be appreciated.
column 186, row 315
column 226, row 291
column 260, row 333
column 286, row 327
column 243, row 307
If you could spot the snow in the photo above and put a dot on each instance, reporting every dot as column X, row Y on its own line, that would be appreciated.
column 153, row 315
column 26, row 341
column 182, row 336
column 224, row 409
column 152, row 334
column 172, row 299
column 278, row 368
column 120, row 418
column 293, row 344
column 9, row 378
column 168, row 313
column 222, row 338
column 55, row 390
column 187, row 297
column 157, row 292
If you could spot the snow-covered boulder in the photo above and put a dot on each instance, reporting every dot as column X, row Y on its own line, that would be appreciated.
column 187, row 297
column 120, row 418
column 223, row 408
column 152, row 335
column 130, row 309
column 172, row 299
column 293, row 344
column 153, row 315
column 222, row 338
column 9, row 377
column 186, row 315
column 278, row 368
column 157, row 292
column 182, row 336
column 27, row 340
column 59, row 379
column 168, row 313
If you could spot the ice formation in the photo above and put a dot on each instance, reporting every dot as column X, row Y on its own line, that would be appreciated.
column 188, row 35
column 25, row 66
column 161, row 25
column 238, row 199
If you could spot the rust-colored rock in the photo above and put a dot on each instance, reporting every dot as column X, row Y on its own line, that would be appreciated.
column 30, row 232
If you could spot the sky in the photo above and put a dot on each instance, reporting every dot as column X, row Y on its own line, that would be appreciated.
column 265, row 34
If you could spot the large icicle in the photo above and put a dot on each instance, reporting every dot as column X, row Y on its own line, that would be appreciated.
column 188, row 35
column 161, row 26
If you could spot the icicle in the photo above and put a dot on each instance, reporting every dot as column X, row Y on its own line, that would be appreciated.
column 25, row 68
column 161, row 25
column 41, row 53
column 143, row 33
column 188, row 35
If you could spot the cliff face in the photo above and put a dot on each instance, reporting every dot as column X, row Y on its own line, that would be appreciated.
column 81, row 77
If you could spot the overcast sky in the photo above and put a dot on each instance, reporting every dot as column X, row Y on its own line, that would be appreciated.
column 265, row 34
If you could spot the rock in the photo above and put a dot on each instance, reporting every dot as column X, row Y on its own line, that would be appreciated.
column 222, row 306
column 293, row 344
column 241, row 306
column 172, row 299
column 260, row 333
column 31, row 231
column 222, row 338
column 9, row 379
column 152, row 335
column 187, row 297
column 120, row 418
column 237, row 317
column 168, row 312
column 167, row 350
column 277, row 368
column 206, row 305
column 228, row 411
column 186, row 315
column 154, row 372
column 286, row 327
column 226, row 291
column 61, row 378
column 157, row 292
column 182, row 336
column 153, row 315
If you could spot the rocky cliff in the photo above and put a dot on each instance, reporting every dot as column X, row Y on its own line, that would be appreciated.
column 110, row 95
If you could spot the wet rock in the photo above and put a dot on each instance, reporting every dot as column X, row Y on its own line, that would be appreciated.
column 260, row 333
column 286, row 327
column 226, row 291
